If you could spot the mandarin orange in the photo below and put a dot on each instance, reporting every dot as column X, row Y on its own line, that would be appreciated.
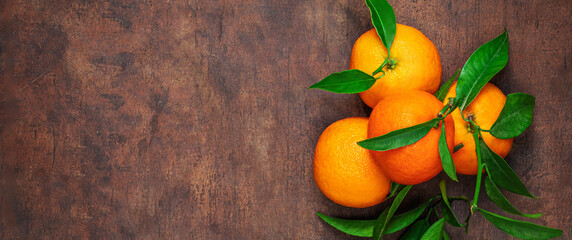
column 484, row 111
column 415, row 63
column 417, row 162
column 345, row 172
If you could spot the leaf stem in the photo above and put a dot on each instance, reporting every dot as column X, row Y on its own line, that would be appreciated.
column 476, row 136
column 380, row 68
column 449, row 111
column 452, row 104
column 463, row 116
column 445, row 110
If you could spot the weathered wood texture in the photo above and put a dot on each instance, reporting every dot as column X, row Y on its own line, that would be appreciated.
column 192, row 119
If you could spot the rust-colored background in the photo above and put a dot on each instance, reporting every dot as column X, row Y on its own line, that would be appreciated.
column 192, row 119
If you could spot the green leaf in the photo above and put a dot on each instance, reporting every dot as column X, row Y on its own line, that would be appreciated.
column 500, row 172
column 515, row 117
column 448, row 213
column 383, row 19
column 395, row 188
column 521, row 229
column 349, row 81
column 399, row 138
column 446, row 159
column 364, row 228
column 360, row 228
column 435, row 231
column 385, row 216
column 416, row 230
column 443, row 90
column 405, row 219
column 483, row 64
column 498, row 199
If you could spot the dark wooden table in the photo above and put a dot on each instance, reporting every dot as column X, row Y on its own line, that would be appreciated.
column 192, row 119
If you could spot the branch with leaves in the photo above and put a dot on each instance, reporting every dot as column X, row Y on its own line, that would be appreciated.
column 513, row 120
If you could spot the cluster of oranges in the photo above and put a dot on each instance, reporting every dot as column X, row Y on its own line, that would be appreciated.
column 353, row 176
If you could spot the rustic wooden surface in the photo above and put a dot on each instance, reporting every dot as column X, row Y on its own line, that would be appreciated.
column 192, row 119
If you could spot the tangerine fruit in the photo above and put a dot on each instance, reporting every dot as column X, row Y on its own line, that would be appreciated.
column 414, row 63
column 417, row 162
column 484, row 111
column 344, row 171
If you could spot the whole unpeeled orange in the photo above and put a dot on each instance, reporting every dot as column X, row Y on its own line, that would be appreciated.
column 345, row 172
column 417, row 162
column 414, row 63
column 484, row 111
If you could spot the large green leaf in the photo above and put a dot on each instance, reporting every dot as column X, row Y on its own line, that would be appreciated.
column 416, row 230
column 444, row 89
column 387, row 214
column 403, row 220
column 435, row 232
column 496, row 196
column 364, row 228
column 446, row 159
column 515, row 116
column 383, row 19
column 360, row 228
column 448, row 213
column 520, row 229
column 399, row 138
column 483, row 64
column 500, row 172
column 349, row 81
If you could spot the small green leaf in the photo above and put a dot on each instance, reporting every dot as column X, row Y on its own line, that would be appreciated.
column 498, row 199
column 349, row 81
column 443, row 90
column 416, row 230
column 385, row 216
column 448, row 213
column 500, row 172
column 435, row 231
column 399, row 138
column 360, row 228
column 446, row 159
column 383, row 19
column 515, row 117
column 483, row 64
column 521, row 229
